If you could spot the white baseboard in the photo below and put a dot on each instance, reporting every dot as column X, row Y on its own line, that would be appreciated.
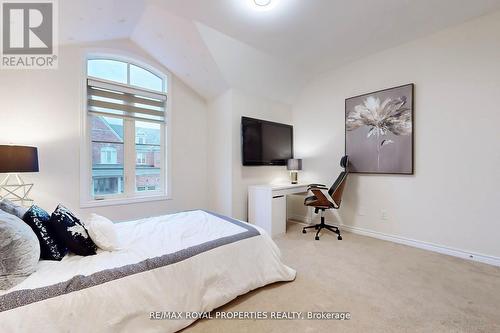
column 486, row 259
column 491, row 260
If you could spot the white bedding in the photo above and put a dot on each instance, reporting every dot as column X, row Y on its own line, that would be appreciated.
column 200, row 282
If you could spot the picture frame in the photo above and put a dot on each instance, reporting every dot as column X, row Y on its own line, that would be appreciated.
column 379, row 131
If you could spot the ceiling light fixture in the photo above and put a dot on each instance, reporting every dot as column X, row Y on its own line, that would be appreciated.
column 262, row 3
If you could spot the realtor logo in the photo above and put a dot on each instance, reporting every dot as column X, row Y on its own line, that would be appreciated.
column 28, row 34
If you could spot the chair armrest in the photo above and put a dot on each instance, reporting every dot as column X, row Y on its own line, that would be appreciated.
column 316, row 185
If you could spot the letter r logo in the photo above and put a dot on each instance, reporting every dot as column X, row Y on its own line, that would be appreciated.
column 27, row 28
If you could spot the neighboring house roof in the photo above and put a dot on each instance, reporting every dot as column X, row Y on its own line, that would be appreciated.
column 116, row 128
column 101, row 131
column 151, row 135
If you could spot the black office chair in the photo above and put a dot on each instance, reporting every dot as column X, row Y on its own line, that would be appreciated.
column 324, row 198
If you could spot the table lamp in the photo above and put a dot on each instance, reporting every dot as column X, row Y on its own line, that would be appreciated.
column 294, row 165
column 15, row 160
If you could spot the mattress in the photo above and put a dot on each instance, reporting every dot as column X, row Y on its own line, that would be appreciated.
column 187, row 262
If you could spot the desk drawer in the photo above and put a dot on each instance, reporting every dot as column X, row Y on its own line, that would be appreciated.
column 278, row 215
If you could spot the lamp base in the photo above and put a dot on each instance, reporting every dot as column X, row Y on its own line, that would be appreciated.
column 294, row 177
column 16, row 190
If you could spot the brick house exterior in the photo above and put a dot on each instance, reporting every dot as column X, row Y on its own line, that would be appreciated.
column 108, row 154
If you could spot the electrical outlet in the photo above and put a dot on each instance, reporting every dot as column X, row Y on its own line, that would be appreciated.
column 384, row 215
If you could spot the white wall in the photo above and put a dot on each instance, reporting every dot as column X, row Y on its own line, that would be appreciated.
column 243, row 176
column 43, row 108
column 230, row 195
column 220, row 154
column 452, row 200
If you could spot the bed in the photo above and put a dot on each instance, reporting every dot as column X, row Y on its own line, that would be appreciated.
column 184, row 262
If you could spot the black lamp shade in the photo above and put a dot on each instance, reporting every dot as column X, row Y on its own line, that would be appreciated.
column 294, row 164
column 14, row 159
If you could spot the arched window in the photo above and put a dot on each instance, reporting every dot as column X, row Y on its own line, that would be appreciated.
column 127, row 112
column 125, row 73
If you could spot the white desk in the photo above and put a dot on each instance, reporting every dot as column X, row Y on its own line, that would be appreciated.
column 267, row 205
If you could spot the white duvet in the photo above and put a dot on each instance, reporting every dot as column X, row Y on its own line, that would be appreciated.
column 201, row 282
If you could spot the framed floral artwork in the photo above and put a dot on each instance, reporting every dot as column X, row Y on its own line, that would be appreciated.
column 379, row 131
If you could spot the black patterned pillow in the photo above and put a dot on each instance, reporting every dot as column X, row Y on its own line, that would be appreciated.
column 38, row 220
column 71, row 231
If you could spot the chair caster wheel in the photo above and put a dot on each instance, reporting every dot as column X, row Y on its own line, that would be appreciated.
column 304, row 231
column 339, row 238
column 316, row 238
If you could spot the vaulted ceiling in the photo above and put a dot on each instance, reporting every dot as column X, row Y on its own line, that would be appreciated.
column 213, row 45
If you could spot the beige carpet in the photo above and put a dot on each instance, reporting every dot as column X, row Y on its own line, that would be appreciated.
column 385, row 286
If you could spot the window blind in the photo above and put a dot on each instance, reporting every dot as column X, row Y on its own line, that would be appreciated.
column 115, row 99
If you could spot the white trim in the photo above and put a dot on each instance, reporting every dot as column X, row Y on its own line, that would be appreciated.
column 123, row 201
column 473, row 256
column 127, row 57
column 85, row 159
column 167, row 132
column 486, row 259
column 129, row 164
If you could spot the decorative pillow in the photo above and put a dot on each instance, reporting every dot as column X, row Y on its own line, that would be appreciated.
column 19, row 251
column 39, row 221
column 12, row 208
column 102, row 231
column 71, row 231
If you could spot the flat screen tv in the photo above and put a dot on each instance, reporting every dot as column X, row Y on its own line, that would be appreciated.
column 265, row 142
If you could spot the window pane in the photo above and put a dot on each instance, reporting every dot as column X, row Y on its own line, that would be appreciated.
column 148, row 156
column 107, row 129
column 108, row 69
column 107, row 155
column 142, row 78
column 147, row 133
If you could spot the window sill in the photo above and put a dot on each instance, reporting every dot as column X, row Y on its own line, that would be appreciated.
column 123, row 201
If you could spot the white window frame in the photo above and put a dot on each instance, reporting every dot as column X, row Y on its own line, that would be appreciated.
column 113, row 155
column 130, row 194
column 142, row 139
column 142, row 159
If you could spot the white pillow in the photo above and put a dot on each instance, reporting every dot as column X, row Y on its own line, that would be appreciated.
column 102, row 231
